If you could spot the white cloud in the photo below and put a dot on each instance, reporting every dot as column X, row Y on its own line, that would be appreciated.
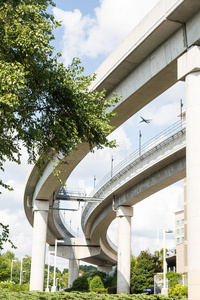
column 20, row 231
column 11, row 206
column 93, row 36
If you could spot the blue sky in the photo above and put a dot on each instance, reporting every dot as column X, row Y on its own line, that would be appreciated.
column 91, row 30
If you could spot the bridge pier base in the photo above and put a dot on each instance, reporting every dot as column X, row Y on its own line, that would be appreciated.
column 189, row 69
column 124, row 214
column 73, row 271
column 41, row 209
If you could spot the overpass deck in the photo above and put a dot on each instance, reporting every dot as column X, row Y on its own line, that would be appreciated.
column 140, row 69
column 158, row 154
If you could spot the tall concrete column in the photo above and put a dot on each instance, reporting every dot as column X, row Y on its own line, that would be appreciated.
column 73, row 271
column 124, row 214
column 41, row 209
column 189, row 69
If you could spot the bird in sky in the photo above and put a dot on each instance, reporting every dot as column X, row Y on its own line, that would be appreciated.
column 145, row 120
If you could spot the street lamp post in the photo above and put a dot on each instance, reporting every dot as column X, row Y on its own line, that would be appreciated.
column 164, row 289
column 53, row 289
column 12, row 269
column 112, row 159
column 47, row 288
column 20, row 282
column 57, row 282
column 94, row 180
column 23, row 274
column 140, row 142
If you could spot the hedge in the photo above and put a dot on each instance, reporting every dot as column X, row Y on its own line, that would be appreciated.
column 11, row 286
column 80, row 296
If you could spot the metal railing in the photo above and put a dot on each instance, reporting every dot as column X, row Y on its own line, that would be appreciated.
column 59, row 222
column 157, row 142
column 71, row 192
column 153, row 144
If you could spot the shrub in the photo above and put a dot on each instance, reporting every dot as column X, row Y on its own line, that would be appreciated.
column 12, row 287
column 100, row 290
column 80, row 284
column 80, row 296
column 112, row 290
column 179, row 290
column 96, row 283
column 173, row 279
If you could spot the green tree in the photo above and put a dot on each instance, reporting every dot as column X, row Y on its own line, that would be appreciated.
column 85, row 268
column 5, row 267
column 50, row 278
column 143, row 273
column 173, row 279
column 133, row 263
column 64, row 282
column 44, row 106
column 158, row 255
column 16, row 271
column 26, row 269
column 96, row 283
column 81, row 284
column 65, row 270
column 91, row 271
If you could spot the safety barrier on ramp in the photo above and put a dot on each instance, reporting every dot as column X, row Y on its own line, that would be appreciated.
column 161, row 140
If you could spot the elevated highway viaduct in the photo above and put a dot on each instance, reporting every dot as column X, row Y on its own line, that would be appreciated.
column 157, row 168
column 162, row 49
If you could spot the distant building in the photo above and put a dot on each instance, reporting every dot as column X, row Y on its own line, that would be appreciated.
column 179, row 227
column 181, row 237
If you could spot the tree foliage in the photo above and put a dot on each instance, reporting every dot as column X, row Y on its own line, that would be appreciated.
column 4, row 235
column 179, row 290
column 26, row 264
column 173, row 278
column 81, row 284
column 5, row 266
column 142, row 274
column 64, row 282
column 86, row 269
column 96, row 283
column 44, row 106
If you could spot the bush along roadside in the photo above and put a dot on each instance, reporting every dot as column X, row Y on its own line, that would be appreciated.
column 80, row 296
column 13, row 287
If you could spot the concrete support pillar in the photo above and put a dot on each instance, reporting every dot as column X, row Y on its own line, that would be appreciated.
column 124, row 214
column 41, row 209
column 73, row 271
column 189, row 69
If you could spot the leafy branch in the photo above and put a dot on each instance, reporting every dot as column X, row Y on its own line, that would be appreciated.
column 4, row 236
